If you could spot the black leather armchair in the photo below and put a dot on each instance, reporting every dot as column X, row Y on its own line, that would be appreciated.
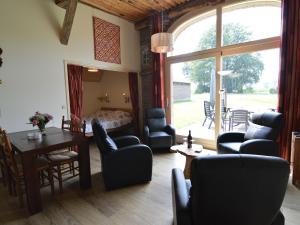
column 231, row 189
column 259, row 139
column 124, row 160
column 157, row 134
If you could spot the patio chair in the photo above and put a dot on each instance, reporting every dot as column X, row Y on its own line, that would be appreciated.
column 237, row 117
column 209, row 113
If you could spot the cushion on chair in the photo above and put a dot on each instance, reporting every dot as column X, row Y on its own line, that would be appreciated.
column 58, row 157
column 229, row 147
column 156, row 124
column 259, row 132
column 156, row 119
column 156, row 113
column 268, row 119
column 70, row 154
column 160, row 139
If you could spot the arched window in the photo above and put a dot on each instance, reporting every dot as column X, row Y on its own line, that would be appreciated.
column 227, row 56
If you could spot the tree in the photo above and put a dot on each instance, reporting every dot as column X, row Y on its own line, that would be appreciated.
column 246, row 67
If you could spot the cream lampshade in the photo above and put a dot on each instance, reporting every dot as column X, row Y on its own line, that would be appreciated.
column 162, row 42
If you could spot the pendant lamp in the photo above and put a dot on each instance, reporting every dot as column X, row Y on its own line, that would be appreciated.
column 162, row 42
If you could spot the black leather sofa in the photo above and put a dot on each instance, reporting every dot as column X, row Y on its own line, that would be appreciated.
column 259, row 139
column 157, row 134
column 125, row 161
column 231, row 190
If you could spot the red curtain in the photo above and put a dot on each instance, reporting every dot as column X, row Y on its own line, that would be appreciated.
column 134, row 96
column 158, row 68
column 75, row 89
column 289, row 80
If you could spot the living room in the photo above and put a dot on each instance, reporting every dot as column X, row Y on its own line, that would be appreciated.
column 46, row 44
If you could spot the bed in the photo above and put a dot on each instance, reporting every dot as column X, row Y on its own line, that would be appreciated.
column 112, row 119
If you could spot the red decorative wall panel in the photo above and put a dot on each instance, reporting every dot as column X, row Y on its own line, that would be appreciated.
column 106, row 41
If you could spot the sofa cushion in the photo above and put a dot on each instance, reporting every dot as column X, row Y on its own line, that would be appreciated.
column 229, row 147
column 156, row 124
column 259, row 132
column 160, row 139
column 156, row 119
column 268, row 119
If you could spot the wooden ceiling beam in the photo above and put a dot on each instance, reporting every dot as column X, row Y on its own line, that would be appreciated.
column 190, row 6
column 133, row 10
column 117, row 8
column 141, row 24
column 68, row 21
column 62, row 3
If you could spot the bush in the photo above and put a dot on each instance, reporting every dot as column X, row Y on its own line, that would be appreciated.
column 248, row 90
column 273, row 90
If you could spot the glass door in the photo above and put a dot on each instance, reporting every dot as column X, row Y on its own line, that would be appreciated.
column 193, row 99
column 249, row 84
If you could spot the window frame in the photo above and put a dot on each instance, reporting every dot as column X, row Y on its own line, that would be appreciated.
column 218, row 52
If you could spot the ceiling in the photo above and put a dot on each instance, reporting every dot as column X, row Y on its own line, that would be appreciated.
column 133, row 10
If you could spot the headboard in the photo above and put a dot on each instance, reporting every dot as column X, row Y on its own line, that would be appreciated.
column 115, row 109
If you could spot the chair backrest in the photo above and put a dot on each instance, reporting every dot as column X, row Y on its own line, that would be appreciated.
column 207, row 109
column 73, row 125
column 8, row 153
column 264, row 125
column 156, row 119
column 237, row 189
column 105, row 144
column 239, row 116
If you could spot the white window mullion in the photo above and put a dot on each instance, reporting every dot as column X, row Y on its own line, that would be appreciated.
column 218, row 68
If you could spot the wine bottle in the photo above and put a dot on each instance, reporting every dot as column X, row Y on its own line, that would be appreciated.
column 189, row 140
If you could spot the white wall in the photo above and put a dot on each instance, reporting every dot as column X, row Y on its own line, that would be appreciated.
column 114, row 84
column 32, row 73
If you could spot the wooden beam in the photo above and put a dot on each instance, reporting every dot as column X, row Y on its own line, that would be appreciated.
column 142, row 24
column 62, row 3
column 190, row 6
column 68, row 21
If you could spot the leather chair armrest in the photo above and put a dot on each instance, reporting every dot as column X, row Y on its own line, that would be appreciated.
column 129, row 155
column 231, row 137
column 146, row 135
column 171, row 131
column 127, row 165
column 180, row 198
column 126, row 140
column 260, row 147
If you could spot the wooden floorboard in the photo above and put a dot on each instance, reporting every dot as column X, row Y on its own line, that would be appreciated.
column 149, row 204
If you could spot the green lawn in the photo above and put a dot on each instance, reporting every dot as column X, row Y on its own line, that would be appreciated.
column 191, row 112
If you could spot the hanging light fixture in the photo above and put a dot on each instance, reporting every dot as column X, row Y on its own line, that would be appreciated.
column 162, row 42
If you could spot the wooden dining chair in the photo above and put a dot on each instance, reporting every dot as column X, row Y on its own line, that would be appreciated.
column 3, row 167
column 14, row 166
column 64, row 161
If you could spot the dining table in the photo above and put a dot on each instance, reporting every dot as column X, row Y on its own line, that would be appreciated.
column 54, row 139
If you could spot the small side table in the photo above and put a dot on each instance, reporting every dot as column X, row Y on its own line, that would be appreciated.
column 190, row 153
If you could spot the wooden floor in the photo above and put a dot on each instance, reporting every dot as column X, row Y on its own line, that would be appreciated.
column 137, row 205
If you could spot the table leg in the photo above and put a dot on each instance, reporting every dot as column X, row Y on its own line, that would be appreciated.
column 84, row 165
column 187, row 168
column 32, row 183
